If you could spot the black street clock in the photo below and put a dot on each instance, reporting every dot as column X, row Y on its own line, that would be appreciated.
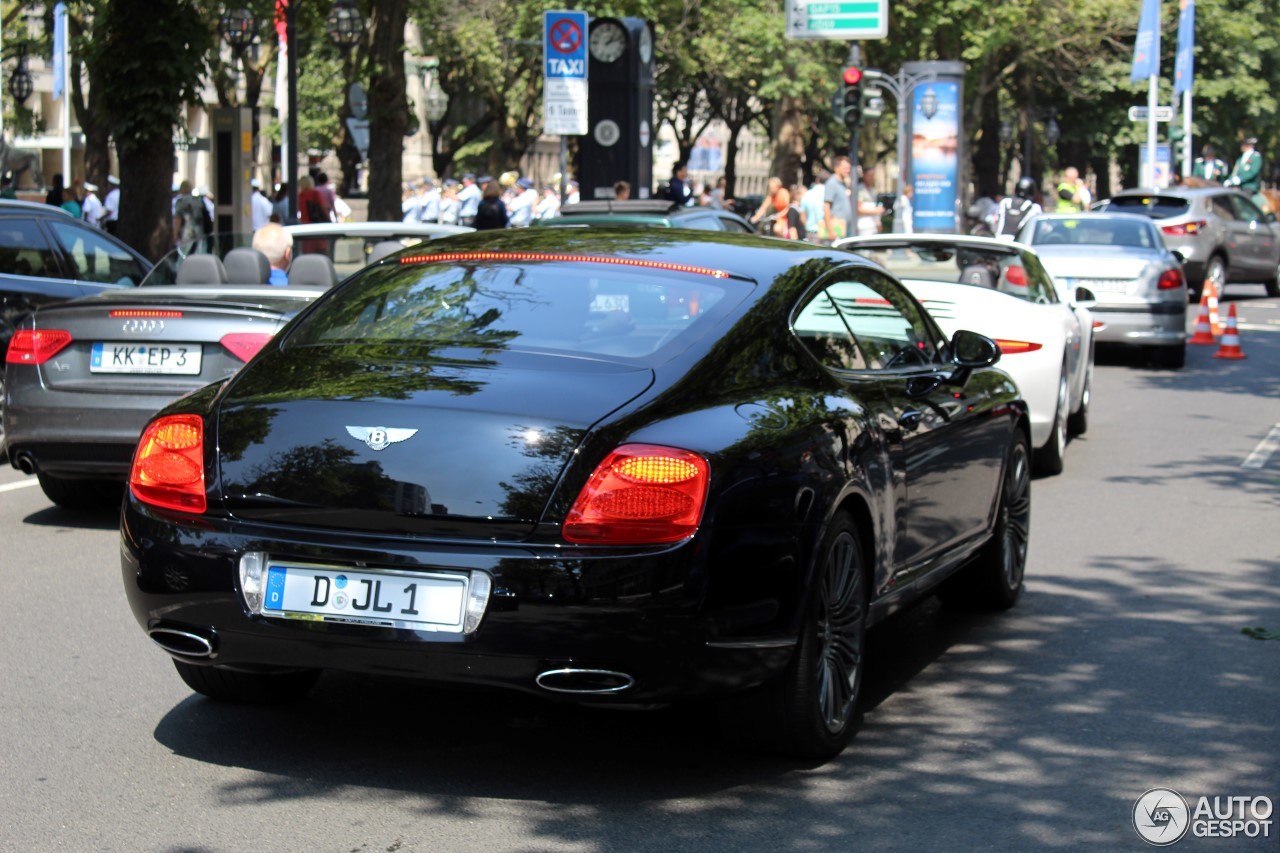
column 619, row 141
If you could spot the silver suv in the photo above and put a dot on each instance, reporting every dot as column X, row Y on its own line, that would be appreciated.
column 1218, row 232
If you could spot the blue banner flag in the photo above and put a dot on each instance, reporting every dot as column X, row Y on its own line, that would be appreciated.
column 1185, row 65
column 1146, row 50
column 59, row 49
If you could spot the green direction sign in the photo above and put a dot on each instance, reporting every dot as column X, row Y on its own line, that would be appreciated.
column 850, row 20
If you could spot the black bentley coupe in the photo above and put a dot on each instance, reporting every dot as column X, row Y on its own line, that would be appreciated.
column 612, row 466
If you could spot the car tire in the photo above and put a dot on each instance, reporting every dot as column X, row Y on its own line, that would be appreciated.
column 249, row 688
column 993, row 581
column 1171, row 358
column 1078, row 421
column 1216, row 271
column 80, row 494
column 1049, row 458
column 809, row 712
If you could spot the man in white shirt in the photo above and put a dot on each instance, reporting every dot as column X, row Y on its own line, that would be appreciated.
column 468, row 199
column 91, row 208
column 429, row 201
column 259, row 205
column 521, row 213
column 111, row 206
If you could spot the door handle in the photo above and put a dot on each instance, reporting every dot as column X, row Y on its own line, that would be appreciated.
column 910, row 419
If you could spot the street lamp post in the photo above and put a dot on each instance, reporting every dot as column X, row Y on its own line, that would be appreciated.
column 902, row 85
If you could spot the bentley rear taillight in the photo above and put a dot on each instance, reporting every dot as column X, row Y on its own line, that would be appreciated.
column 168, row 466
column 1015, row 347
column 640, row 494
column 245, row 345
column 36, row 346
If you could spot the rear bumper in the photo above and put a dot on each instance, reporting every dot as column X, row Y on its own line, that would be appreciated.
column 645, row 615
column 1159, row 324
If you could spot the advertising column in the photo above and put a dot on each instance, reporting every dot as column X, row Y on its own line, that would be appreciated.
column 937, row 145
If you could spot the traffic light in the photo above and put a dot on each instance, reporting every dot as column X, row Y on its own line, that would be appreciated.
column 851, row 97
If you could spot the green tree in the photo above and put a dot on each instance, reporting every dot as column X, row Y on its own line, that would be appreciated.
column 157, row 53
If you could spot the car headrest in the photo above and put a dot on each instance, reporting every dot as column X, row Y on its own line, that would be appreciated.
column 202, row 269
column 247, row 266
column 382, row 249
column 314, row 270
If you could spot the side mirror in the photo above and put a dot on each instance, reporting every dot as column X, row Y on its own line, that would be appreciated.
column 1084, row 294
column 970, row 350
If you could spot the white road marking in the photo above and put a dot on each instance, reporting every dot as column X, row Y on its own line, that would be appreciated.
column 21, row 484
column 1269, row 445
column 1254, row 327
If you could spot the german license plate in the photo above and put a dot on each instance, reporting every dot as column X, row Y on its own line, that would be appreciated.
column 1105, row 285
column 419, row 601
column 120, row 357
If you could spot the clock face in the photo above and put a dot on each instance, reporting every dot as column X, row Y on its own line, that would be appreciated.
column 646, row 45
column 608, row 41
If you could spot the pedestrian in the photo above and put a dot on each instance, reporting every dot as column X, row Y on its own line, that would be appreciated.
column 869, row 211
column 54, row 196
column 522, row 206
column 280, row 204
column 276, row 243
column 766, row 203
column 548, row 206
column 259, row 205
column 1208, row 167
column 904, row 210
column 1247, row 173
column 111, row 206
column 468, row 199
column 574, row 195
column 6, row 186
column 188, row 220
column 678, row 189
column 71, row 199
column 811, row 207
column 491, row 212
column 1073, row 195
column 718, row 200
column 1014, row 211
column 428, row 200
column 621, row 191
column 837, row 211
column 328, row 196
column 785, row 222
column 91, row 210
column 312, row 210
column 449, row 203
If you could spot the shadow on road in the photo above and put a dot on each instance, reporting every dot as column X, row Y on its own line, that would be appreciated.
column 104, row 518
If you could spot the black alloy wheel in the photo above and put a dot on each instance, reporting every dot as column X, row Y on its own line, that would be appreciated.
column 809, row 712
column 249, row 688
column 993, row 581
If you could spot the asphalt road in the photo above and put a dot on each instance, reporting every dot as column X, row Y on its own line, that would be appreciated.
column 1123, row 668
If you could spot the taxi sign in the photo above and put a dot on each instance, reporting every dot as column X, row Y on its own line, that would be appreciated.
column 564, row 66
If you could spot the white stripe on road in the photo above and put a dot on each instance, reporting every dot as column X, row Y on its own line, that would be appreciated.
column 21, row 484
column 1269, row 445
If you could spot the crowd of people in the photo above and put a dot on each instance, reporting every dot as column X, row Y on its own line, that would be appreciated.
column 81, row 200
column 509, row 201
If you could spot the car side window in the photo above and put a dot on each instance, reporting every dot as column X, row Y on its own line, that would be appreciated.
column 1039, row 283
column 24, row 250
column 823, row 331
column 888, row 326
column 1222, row 207
column 1247, row 210
column 734, row 226
column 94, row 256
column 701, row 223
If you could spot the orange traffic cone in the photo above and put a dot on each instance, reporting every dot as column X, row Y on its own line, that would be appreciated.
column 1204, row 331
column 1230, row 338
column 1215, row 322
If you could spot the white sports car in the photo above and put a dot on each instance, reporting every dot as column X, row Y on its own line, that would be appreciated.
column 1001, row 289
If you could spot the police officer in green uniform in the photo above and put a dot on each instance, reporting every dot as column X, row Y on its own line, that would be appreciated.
column 1209, row 167
column 1247, row 174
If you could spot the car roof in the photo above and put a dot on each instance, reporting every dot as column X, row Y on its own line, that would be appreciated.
column 36, row 207
column 1096, row 215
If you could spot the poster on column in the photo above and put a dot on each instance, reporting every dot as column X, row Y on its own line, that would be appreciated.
column 935, row 155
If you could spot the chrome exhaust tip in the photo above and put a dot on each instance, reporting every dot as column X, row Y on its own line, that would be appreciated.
column 26, row 462
column 176, row 641
column 584, row 681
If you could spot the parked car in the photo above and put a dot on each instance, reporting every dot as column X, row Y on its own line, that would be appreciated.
column 1218, row 232
column 83, row 377
column 48, row 256
column 614, row 466
column 1001, row 290
column 1120, row 257
column 647, row 213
